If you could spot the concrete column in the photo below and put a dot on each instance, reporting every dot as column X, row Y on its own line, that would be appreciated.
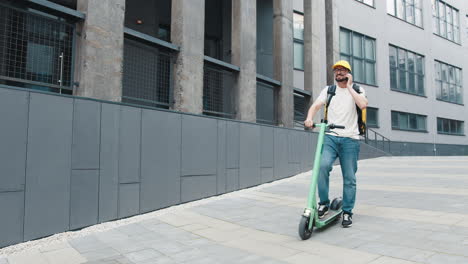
column 244, row 50
column 188, row 32
column 332, row 35
column 283, row 59
column 313, row 66
column 99, row 57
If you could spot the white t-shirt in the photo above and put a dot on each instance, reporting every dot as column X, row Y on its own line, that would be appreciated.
column 342, row 111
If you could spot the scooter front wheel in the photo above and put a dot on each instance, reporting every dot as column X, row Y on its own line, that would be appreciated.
column 304, row 231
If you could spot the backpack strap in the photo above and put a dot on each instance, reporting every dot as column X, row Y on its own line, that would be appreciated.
column 357, row 88
column 330, row 92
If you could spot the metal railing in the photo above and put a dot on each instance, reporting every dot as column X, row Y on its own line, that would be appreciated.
column 147, row 74
column 377, row 140
column 218, row 88
column 35, row 51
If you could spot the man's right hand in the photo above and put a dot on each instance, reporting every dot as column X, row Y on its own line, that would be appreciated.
column 309, row 123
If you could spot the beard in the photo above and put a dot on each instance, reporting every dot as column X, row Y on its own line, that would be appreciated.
column 341, row 79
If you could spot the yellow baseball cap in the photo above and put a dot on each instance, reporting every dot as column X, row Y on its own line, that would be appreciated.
column 342, row 63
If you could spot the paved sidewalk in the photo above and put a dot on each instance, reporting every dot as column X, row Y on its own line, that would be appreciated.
column 408, row 210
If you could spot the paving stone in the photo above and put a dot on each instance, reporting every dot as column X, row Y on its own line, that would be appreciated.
column 259, row 226
column 143, row 255
column 447, row 259
column 87, row 243
column 66, row 255
column 101, row 254
column 3, row 260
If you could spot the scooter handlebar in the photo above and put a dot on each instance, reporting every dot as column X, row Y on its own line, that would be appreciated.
column 332, row 126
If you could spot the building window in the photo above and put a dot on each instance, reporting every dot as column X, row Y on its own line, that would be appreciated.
column 408, row 121
column 448, row 80
column 466, row 25
column 367, row 2
column 147, row 74
column 151, row 17
column 359, row 50
column 407, row 10
column 300, row 107
column 218, row 84
column 36, row 50
column 450, row 127
column 372, row 117
column 265, row 37
column 266, row 103
column 298, row 41
column 406, row 71
column 446, row 21
column 218, row 29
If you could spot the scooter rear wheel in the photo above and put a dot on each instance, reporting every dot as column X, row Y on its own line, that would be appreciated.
column 304, row 231
column 336, row 204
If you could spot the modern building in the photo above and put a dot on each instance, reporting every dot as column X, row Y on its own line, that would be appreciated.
column 257, row 61
column 411, row 57
column 113, row 108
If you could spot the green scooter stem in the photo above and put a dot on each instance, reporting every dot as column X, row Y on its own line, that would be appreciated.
column 311, row 210
column 311, row 201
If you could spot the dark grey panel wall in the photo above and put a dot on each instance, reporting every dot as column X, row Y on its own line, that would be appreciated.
column 12, row 219
column 199, row 150
column 221, row 170
column 129, row 199
column 426, row 149
column 86, row 139
column 281, row 153
column 232, row 180
column 160, row 160
column 82, row 162
column 249, row 174
column 109, row 162
column 129, row 146
column 84, row 198
column 266, row 174
column 311, row 151
column 232, row 145
column 267, row 147
column 48, row 165
column 198, row 187
column 13, row 133
column 294, row 153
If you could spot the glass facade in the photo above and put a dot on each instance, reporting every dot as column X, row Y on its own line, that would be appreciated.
column 446, row 21
column 448, row 83
column 407, row 10
column 298, row 34
column 406, row 71
column 408, row 121
column 359, row 50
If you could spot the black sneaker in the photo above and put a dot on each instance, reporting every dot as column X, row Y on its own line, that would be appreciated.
column 322, row 210
column 347, row 220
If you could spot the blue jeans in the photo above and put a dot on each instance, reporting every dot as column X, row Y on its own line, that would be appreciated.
column 347, row 150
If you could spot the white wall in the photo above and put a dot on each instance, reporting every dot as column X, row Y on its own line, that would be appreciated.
column 386, row 29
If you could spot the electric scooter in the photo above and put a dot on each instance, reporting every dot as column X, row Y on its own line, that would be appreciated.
column 310, row 218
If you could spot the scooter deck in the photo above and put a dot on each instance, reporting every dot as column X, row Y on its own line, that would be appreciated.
column 330, row 217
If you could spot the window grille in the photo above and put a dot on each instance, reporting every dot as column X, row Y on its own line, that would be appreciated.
column 36, row 50
column 218, row 86
column 147, row 75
